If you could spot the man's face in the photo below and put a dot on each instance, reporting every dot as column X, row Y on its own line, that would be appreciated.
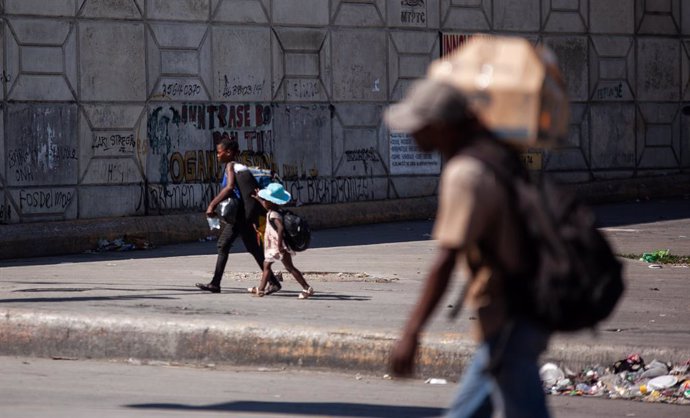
column 224, row 155
column 440, row 137
column 428, row 138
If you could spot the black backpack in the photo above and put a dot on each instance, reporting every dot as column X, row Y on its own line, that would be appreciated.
column 296, row 231
column 572, row 280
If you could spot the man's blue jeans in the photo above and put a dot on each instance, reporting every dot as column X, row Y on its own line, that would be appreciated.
column 514, row 388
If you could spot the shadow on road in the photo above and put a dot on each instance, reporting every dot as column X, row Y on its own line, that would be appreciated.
column 333, row 409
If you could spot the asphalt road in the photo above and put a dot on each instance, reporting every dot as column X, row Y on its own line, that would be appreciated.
column 31, row 388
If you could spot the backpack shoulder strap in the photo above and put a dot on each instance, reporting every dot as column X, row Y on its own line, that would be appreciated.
column 501, row 160
column 281, row 213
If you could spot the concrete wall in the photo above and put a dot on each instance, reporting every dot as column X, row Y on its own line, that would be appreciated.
column 111, row 107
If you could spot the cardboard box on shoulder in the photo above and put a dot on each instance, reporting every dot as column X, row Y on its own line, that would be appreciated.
column 515, row 89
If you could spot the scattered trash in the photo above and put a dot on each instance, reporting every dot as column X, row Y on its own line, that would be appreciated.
column 655, row 266
column 629, row 378
column 387, row 377
column 551, row 374
column 631, row 363
column 655, row 256
column 662, row 382
column 123, row 244
column 435, row 381
column 654, row 369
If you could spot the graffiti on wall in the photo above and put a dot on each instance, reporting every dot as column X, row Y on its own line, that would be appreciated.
column 161, row 198
column 330, row 190
column 5, row 213
column 175, row 89
column 236, row 89
column 27, row 161
column 113, row 143
column 610, row 92
column 50, row 200
column 186, row 135
column 41, row 144
column 452, row 41
column 413, row 12
column 182, row 167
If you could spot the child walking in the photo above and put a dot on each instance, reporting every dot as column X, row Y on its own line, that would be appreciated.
column 275, row 248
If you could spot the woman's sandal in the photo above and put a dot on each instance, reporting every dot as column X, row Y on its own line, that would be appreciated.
column 306, row 293
column 256, row 292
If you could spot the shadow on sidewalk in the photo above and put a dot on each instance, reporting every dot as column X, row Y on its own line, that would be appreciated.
column 631, row 213
column 334, row 409
column 390, row 232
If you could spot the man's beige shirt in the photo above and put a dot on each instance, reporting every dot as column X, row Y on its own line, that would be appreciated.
column 474, row 208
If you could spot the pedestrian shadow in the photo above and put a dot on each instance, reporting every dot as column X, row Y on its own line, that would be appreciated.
column 293, row 294
column 62, row 299
column 333, row 409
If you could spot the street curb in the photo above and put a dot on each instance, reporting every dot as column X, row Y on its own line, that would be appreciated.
column 203, row 342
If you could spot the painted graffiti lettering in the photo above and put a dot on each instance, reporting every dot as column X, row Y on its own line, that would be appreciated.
column 331, row 190
column 53, row 153
column 5, row 213
column 364, row 155
column 23, row 174
column 259, row 141
column 412, row 17
column 176, row 89
column 290, row 172
column 120, row 143
column 413, row 12
column 45, row 199
column 115, row 173
column 194, row 166
column 230, row 90
column 58, row 153
column 256, row 159
column 226, row 116
column 304, row 90
column 614, row 92
column 179, row 135
column 18, row 157
column 179, row 197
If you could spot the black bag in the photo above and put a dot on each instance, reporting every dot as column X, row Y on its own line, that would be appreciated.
column 228, row 208
column 573, row 279
column 296, row 231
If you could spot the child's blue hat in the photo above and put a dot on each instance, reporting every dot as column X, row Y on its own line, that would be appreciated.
column 275, row 192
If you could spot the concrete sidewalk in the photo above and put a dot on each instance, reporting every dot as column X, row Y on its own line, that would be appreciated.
column 143, row 305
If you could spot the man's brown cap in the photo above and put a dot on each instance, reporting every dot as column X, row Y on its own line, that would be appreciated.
column 427, row 102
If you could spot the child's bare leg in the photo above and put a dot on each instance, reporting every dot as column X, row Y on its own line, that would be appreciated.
column 287, row 262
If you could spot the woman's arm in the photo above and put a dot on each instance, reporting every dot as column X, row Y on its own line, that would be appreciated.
column 225, row 191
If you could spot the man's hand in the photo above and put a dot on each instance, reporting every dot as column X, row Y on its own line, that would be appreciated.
column 403, row 356
column 210, row 212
